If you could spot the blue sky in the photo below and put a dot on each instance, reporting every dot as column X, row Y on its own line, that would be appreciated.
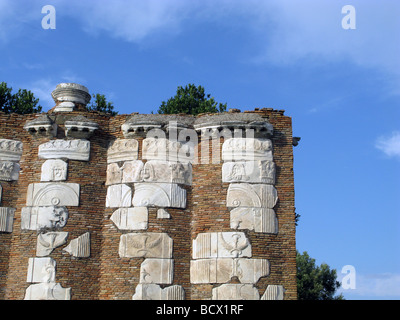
column 340, row 86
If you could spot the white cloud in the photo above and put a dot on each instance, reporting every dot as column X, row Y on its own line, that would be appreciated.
column 390, row 145
column 383, row 285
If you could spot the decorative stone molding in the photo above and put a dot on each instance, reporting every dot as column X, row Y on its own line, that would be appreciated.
column 258, row 219
column 10, row 150
column 159, row 195
column 9, row 171
column 6, row 219
column 77, row 149
column 70, row 94
column 130, row 218
column 167, row 172
column 163, row 214
column 249, row 172
column 122, row 150
column 129, row 172
column 42, row 126
column 79, row 127
column 150, row 291
column 145, row 245
column 249, row 149
column 52, row 194
column 221, row 270
column 235, row 292
column 79, row 247
column 38, row 218
column 41, row 270
column 132, row 129
column 221, row 245
column 47, row 291
column 47, row 242
column 54, row 170
column 167, row 150
column 273, row 292
column 160, row 271
column 118, row 195
column 251, row 195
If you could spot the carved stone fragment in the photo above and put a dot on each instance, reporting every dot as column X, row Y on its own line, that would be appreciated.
column 38, row 218
column 249, row 172
column 79, row 247
column 130, row 218
column 273, row 292
column 41, row 270
column 77, row 149
column 251, row 195
column 70, row 93
column 47, row 242
column 114, row 174
column 221, row 270
column 122, row 150
column 258, row 219
column 54, row 170
column 9, row 171
column 159, row 195
column 151, row 291
column 6, row 219
column 167, row 172
column 118, row 195
column 153, row 270
column 10, row 150
column 131, row 171
column 47, row 291
column 221, row 245
column 147, row 245
column 163, row 214
column 79, row 127
column 52, row 194
column 43, row 125
column 249, row 149
column 235, row 292
column 168, row 150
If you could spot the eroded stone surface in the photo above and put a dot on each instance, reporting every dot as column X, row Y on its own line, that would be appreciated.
column 10, row 150
column 159, row 271
column 118, row 195
column 147, row 245
column 9, row 171
column 235, row 292
column 273, row 292
column 250, row 149
column 221, row 270
column 251, row 195
column 79, row 247
column 130, row 218
column 122, row 150
column 6, row 219
column 249, row 172
column 41, row 270
column 159, row 195
column 37, row 218
column 221, row 245
column 77, row 149
column 167, row 172
column 151, row 291
column 54, row 170
column 47, row 242
column 52, row 194
column 258, row 219
column 47, row 291
column 168, row 150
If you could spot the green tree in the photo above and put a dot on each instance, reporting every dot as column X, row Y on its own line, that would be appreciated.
column 315, row 282
column 21, row 102
column 191, row 100
column 100, row 103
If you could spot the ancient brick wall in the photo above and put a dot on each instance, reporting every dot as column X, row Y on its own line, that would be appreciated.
column 105, row 273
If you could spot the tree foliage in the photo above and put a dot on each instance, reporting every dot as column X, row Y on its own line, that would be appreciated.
column 191, row 100
column 315, row 282
column 21, row 102
column 100, row 103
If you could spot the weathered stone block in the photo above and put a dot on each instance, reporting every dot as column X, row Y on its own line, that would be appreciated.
column 6, row 219
column 249, row 172
column 153, row 270
column 150, row 291
column 249, row 149
column 52, row 194
column 258, row 219
column 9, row 171
column 235, row 292
column 37, row 218
column 10, row 150
column 118, row 195
column 41, row 270
column 47, row 242
column 54, row 170
column 147, row 245
column 251, row 195
column 130, row 218
column 78, row 149
column 79, row 247
column 122, row 150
